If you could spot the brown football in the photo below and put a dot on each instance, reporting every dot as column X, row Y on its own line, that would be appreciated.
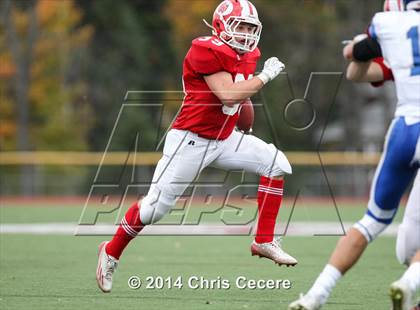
column 246, row 116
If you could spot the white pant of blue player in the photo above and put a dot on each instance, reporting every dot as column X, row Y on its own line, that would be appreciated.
column 408, row 240
column 397, row 169
column 185, row 155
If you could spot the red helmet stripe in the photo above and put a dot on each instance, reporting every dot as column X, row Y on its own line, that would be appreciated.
column 250, row 9
column 387, row 5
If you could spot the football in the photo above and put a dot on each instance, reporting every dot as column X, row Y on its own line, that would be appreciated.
column 246, row 116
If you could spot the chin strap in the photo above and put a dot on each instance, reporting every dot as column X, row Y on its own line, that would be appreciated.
column 210, row 26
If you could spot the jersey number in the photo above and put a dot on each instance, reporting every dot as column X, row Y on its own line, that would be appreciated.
column 215, row 41
column 413, row 35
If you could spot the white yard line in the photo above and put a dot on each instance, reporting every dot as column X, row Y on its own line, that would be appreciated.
column 294, row 229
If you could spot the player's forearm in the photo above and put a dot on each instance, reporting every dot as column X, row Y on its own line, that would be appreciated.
column 364, row 72
column 238, row 92
column 356, row 71
column 231, row 93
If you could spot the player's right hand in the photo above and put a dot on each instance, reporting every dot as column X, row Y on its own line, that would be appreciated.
column 348, row 49
column 272, row 67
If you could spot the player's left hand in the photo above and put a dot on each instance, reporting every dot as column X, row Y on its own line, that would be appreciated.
column 272, row 68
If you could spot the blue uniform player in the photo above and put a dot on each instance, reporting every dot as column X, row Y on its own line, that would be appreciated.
column 393, row 35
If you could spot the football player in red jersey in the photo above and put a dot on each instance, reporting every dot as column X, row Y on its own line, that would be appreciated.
column 218, row 74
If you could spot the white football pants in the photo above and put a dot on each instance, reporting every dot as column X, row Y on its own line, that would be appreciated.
column 185, row 155
column 408, row 239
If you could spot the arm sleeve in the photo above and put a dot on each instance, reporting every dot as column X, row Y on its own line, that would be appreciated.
column 387, row 72
column 203, row 60
column 366, row 50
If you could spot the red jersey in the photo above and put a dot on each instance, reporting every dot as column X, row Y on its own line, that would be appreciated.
column 386, row 70
column 202, row 112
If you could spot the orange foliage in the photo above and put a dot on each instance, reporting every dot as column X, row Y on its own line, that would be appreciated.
column 186, row 17
column 58, row 35
column 7, row 68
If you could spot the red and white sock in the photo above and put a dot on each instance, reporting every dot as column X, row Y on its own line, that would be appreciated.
column 129, row 228
column 270, row 194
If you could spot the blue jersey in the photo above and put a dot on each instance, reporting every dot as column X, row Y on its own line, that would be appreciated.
column 398, row 35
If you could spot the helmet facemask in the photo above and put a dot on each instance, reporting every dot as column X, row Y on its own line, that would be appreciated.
column 242, row 42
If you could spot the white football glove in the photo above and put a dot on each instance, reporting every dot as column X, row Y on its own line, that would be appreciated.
column 272, row 67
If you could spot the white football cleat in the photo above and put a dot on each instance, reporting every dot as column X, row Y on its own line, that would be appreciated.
column 272, row 250
column 106, row 267
column 400, row 296
column 305, row 302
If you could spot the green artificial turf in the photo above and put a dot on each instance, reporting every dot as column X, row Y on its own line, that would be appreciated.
column 58, row 272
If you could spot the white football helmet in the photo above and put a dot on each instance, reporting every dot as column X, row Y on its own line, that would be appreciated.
column 228, row 16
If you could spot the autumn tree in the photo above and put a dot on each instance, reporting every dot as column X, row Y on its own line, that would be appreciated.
column 42, row 104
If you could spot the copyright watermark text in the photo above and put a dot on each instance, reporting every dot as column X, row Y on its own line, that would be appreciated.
column 199, row 282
